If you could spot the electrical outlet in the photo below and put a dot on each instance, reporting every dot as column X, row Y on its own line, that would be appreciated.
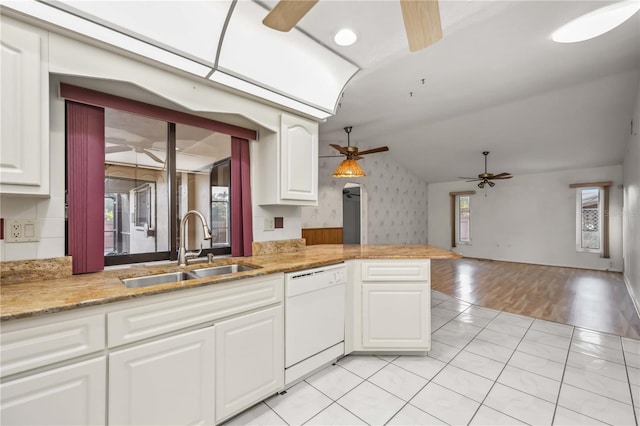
column 269, row 224
column 21, row 230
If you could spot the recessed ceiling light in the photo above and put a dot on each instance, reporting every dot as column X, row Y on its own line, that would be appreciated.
column 596, row 23
column 345, row 37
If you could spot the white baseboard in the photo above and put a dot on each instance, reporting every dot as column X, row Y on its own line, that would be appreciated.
column 634, row 297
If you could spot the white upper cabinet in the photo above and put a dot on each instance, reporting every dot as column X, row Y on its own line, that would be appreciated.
column 288, row 164
column 24, row 120
column 299, row 156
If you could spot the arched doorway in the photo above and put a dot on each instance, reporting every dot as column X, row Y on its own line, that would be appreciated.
column 354, row 214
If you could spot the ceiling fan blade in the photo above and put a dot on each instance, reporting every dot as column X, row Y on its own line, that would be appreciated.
column 153, row 156
column 339, row 148
column 501, row 177
column 117, row 148
column 374, row 150
column 473, row 180
column 462, row 177
column 421, row 22
column 356, row 157
column 286, row 14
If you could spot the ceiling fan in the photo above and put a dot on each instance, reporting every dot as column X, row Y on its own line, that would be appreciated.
column 421, row 19
column 486, row 178
column 349, row 167
column 122, row 147
column 352, row 152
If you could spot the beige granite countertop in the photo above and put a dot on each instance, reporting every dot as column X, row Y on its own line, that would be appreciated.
column 38, row 297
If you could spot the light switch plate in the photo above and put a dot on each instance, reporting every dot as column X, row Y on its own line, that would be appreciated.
column 269, row 224
column 21, row 230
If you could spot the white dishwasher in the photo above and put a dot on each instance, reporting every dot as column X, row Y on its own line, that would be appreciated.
column 314, row 319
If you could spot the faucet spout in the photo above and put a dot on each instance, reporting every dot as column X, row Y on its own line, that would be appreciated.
column 183, row 254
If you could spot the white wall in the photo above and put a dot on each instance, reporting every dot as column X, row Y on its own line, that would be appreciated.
column 397, row 200
column 68, row 57
column 631, row 213
column 529, row 218
column 48, row 211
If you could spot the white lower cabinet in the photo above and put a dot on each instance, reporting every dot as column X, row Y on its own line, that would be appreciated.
column 395, row 316
column 68, row 395
column 165, row 382
column 249, row 360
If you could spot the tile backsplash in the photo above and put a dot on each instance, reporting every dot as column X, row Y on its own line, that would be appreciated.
column 50, row 214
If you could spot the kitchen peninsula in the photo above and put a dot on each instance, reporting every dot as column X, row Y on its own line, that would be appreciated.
column 19, row 299
column 200, row 350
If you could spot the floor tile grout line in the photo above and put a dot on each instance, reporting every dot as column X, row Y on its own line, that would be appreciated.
column 449, row 363
column 496, row 381
column 626, row 369
column 342, row 406
column 564, row 370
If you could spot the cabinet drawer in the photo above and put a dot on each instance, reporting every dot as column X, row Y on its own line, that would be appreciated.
column 32, row 347
column 402, row 270
column 220, row 301
column 71, row 395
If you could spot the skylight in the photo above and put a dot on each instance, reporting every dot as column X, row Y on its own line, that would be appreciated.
column 596, row 23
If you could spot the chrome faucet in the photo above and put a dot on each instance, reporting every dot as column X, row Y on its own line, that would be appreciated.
column 183, row 254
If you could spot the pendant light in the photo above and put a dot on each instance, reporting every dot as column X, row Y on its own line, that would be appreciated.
column 349, row 168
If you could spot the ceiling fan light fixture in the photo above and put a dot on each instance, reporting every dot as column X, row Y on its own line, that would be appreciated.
column 348, row 169
column 345, row 37
column 596, row 23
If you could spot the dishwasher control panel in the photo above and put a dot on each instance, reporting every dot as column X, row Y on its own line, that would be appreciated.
column 314, row 279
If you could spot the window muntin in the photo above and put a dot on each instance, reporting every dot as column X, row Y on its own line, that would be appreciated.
column 463, row 219
column 589, row 219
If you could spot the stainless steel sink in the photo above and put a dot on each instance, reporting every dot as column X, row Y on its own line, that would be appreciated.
column 172, row 277
column 149, row 280
column 220, row 270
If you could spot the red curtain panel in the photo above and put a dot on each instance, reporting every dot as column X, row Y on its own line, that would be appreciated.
column 241, row 216
column 85, row 175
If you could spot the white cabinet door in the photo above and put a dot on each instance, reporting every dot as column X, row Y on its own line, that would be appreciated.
column 69, row 395
column 396, row 315
column 165, row 382
column 299, row 159
column 249, row 360
column 24, row 139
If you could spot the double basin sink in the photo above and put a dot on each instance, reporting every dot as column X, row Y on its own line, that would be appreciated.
column 172, row 277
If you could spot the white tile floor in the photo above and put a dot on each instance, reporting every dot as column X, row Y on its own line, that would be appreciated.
column 486, row 367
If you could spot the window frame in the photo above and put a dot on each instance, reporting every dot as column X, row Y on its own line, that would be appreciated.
column 458, row 217
column 601, row 213
column 100, row 100
column 605, row 186
column 453, row 212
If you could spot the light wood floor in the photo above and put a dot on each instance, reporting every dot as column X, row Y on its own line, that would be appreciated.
column 596, row 300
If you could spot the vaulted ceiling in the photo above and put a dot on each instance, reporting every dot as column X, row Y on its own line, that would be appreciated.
column 496, row 82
